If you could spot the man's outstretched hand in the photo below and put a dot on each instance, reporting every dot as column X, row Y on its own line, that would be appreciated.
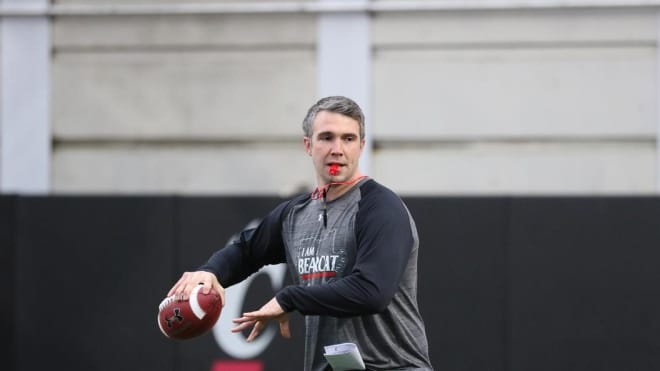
column 259, row 319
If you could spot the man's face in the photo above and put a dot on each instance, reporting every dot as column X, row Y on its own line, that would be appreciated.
column 335, row 140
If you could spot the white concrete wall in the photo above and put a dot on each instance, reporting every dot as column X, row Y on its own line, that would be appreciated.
column 543, row 101
column 189, row 104
column 534, row 101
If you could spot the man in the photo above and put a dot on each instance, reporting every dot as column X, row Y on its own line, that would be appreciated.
column 351, row 246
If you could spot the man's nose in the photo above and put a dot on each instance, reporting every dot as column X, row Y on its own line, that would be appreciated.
column 337, row 147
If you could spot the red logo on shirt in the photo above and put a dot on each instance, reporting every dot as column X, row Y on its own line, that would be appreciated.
column 309, row 276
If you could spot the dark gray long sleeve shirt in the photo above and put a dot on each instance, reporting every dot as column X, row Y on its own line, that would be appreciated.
column 355, row 276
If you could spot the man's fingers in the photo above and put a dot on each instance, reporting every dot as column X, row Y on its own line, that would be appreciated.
column 258, row 324
column 284, row 329
column 210, row 281
column 181, row 288
column 206, row 286
column 243, row 319
column 215, row 284
column 256, row 330
column 177, row 286
column 242, row 325
column 259, row 318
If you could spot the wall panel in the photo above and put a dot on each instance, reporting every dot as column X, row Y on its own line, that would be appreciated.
column 182, row 168
column 191, row 32
column 180, row 95
column 524, row 27
column 573, row 167
column 515, row 92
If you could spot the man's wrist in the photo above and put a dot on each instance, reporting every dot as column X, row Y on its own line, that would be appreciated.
column 284, row 301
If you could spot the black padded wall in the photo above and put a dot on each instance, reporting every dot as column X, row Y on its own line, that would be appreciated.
column 505, row 283
column 7, row 276
column 584, row 280
column 89, row 272
column 462, row 275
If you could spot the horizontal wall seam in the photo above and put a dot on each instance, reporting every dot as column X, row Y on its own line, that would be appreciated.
column 509, row 45
column 30, row 10
column 378, row 47
column 515, row 142
column 187, row 48
column 70, row 142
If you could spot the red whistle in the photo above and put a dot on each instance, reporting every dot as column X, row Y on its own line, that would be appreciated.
column 334, row 169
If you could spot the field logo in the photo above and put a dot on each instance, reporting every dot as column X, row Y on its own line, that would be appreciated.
column 234, row 344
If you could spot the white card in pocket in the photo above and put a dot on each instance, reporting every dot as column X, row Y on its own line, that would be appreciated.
column 344, row 357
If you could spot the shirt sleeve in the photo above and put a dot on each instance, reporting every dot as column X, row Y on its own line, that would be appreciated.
column 385, row 240
column 252, row 249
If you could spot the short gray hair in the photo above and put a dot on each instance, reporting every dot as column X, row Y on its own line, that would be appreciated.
column 336, row 104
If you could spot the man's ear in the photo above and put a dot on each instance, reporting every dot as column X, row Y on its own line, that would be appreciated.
column 308, row 145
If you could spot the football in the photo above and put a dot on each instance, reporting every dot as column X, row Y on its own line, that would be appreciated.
column 190, row 318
